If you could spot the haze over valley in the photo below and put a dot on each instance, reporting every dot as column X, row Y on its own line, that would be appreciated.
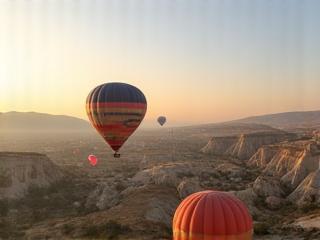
column 48, row 182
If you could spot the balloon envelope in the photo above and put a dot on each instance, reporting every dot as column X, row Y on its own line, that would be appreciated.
column 116, row 110
column 93, row 160
column 162, row 120
column 212, row 215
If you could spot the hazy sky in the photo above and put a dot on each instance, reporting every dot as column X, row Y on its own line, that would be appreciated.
column 196, row 60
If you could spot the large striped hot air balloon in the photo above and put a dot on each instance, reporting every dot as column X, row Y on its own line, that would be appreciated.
column 212, row 215
column 116, row 110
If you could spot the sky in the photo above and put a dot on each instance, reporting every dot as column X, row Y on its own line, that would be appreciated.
column 197, row 61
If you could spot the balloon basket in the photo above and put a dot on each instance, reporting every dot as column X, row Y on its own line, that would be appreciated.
column 116, row 155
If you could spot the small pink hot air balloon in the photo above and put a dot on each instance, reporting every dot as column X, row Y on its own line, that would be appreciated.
column 93, row 160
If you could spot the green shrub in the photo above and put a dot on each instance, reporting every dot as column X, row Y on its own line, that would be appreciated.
column 261, row 228
column 67, row 228
column 309, row 207
column 5, row 181
column 92, row 231
column 114, row 229
column 111, row 230
column 4, row 207
column 259, row 202
column 120, row 187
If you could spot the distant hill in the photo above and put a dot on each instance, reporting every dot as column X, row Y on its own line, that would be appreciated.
column 286, row 120
column 225, row 129
column 32, row 121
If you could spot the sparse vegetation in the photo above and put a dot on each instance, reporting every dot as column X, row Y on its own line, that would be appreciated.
column 308, row 207
column 5, row 179
column 261, row 228
column 259, row 202
column 120, row 187
column 185, row 175
column 287, row 208
column 114, row 229
column 111, row 230
column 67, row 228
column 67, row 199
column 4, row 207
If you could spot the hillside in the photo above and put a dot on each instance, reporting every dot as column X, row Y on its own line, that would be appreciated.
column 19, row 171
column 290, row 167
column 135, row 198
column 301, row 119
column 244, row 145
column 225, row 129
column 31, row 121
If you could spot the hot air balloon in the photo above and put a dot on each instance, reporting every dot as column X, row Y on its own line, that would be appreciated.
column 212, row 215
column 162, row 120
column 93, row 160
column 116, row 110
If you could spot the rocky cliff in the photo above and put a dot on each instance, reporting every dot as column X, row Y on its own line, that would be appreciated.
column 289, row 170
column 308, row 190
column 292, row 162
column 316, row 135
column 19, row 171
column 244, row 145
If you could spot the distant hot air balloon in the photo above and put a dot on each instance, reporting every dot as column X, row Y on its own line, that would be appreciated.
column 93, row 160
column 212, row 215
column 162, row 120
column 116, row 110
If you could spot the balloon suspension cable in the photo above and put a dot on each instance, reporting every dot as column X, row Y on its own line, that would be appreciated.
column 116, row 154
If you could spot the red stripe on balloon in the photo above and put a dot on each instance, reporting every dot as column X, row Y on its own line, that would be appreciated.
column 114, row 142
column 117, row 104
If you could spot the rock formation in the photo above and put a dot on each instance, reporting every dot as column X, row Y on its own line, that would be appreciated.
column 289, row 170
column 316, row 135
column 245, row 145
column 248, row 196
column 263, row 156
column 103, row 197
column 19, row 171
column 219, row 145
column 170, row 174
column 291, row 162
column 308, row 191
column 274, row 203
column 188, row 186
column 265, row 186
column 308, row 222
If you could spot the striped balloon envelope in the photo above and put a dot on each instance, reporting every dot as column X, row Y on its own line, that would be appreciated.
column 212, row 215
column 116, row 110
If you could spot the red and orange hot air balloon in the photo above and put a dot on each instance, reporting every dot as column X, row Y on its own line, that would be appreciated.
column 212, row 215
column 116, row 110
column 93, row 160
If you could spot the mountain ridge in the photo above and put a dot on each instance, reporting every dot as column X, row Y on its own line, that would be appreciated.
column 34, row 121
column 30, row 121
column 285, row 119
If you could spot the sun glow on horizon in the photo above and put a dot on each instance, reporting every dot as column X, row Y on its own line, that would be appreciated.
column 196, row 62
